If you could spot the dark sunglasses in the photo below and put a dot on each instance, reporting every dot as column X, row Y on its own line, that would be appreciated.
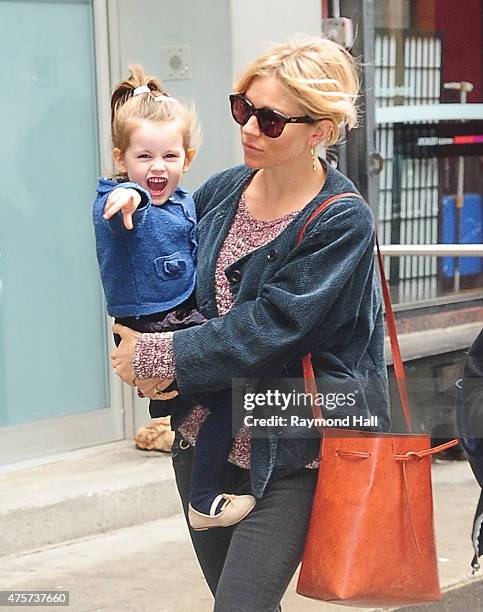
column 270, row 121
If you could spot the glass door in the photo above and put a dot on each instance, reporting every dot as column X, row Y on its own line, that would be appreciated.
column 53, row 346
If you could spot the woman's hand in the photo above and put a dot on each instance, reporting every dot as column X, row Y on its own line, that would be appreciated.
column 124, row 200
column 122, row 357
column 153, row 388
column 122, row 361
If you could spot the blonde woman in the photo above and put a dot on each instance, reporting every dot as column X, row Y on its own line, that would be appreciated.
column 269, row 301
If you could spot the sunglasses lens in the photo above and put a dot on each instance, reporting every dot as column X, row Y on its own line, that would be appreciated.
column 240, row 110
column 271, row 124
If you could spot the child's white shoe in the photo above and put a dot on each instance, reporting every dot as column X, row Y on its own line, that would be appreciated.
column 234, row 509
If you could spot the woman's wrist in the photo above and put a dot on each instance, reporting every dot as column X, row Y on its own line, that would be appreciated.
column 154, row 356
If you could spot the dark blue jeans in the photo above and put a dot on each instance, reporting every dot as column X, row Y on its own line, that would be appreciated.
column 248, row 566
column 213, row 446
column 215, row 437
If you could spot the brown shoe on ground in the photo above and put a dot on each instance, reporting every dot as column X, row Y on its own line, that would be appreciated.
column 155, row 437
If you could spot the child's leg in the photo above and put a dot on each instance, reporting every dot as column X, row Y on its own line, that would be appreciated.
column 210, row 455
column 210, row 506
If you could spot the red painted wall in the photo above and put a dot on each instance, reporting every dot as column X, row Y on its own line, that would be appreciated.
column 461, row 24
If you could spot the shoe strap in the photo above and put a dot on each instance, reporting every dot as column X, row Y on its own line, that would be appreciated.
column 214, row 504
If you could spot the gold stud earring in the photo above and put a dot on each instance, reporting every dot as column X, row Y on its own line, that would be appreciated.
column 313, row 154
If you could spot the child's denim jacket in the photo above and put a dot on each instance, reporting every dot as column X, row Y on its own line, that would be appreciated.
column 151, row 268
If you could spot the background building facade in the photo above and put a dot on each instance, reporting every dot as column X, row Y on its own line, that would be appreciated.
column 61, row 59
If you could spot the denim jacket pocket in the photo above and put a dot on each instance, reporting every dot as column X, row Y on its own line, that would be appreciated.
column 171, row 267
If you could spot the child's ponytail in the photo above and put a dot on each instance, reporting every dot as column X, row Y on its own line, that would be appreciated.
column 125, row 89
column 152, row 104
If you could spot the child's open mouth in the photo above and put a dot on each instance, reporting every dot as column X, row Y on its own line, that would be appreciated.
column 157, row 186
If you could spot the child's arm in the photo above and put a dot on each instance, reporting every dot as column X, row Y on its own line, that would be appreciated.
column 124, row 200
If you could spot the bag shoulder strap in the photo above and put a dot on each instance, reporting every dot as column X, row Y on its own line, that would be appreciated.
column 391, row 325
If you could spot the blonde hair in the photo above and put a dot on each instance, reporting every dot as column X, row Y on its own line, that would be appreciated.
column 318, row 73
column 127, row 109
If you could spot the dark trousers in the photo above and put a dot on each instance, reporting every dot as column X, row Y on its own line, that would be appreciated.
column 249, row 566
column 215, row 437
column 213, row 446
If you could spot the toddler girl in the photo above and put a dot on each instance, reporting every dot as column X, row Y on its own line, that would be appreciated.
column 145, row 226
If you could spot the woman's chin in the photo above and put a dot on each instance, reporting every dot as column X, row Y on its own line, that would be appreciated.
column 251, row 163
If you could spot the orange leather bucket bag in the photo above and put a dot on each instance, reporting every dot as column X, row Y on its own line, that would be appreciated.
column 370, row 540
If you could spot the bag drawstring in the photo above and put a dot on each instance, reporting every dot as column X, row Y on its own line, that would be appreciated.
column 417, row 456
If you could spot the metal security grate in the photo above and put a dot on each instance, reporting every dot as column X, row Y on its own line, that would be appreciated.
column 408, row 71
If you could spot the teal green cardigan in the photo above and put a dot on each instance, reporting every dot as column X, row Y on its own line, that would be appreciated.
column 320, row 297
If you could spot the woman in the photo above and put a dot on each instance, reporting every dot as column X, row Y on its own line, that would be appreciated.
column 270, row 301
column 469, row 412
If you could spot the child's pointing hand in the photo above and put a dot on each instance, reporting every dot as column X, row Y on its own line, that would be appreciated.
column 124, row 200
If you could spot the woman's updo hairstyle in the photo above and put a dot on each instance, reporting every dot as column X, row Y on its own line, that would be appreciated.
column 128, row 109
column 320, row 75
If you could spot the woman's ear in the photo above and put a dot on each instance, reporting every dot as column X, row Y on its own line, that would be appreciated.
column 119, row 162
column 189, row 157
column 322, row 133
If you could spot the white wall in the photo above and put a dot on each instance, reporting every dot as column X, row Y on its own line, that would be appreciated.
column 257, row 24
column 223, row 36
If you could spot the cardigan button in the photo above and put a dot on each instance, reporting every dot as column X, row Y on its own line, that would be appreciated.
column 272, row 254
column 234, row 276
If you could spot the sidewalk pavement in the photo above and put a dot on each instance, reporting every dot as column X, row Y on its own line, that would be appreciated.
column 104, row 524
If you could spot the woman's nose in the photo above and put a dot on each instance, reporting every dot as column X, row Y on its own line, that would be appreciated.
column 251, row 127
